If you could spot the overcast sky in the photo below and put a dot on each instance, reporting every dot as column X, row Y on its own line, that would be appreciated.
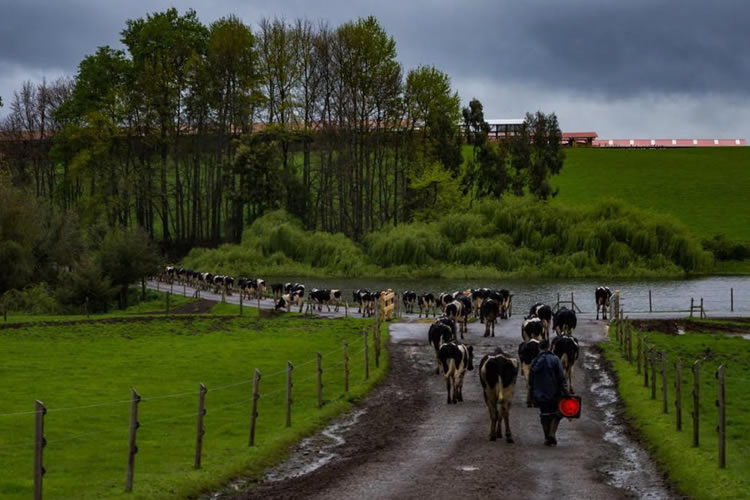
column 622, row 68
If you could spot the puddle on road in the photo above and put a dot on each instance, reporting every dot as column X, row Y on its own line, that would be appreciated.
column 316, row 451
column 633, row 470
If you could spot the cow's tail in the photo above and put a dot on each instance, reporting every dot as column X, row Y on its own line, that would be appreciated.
column 449, row 367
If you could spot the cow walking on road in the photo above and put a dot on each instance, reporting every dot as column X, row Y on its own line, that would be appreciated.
column 603, row 295
column 497, row 374
column 456, row 359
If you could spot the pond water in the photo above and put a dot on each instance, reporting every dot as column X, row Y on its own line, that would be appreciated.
column 666, row 295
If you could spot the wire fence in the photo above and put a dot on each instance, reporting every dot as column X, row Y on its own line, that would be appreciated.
column 673, row 382
column 338, row 366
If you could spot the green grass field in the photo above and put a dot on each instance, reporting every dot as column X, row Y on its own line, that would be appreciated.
column 84, row 373
column 705, row 188
column 695, row 471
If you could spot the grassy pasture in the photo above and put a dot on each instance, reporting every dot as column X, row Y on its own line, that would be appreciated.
column 84, row 373
column 705, row 188
column 694, row 470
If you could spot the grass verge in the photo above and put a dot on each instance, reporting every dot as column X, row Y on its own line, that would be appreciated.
column 84, row 373
column 694, row 471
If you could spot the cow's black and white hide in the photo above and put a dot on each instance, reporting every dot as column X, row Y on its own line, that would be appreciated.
column 426, row 302
column 409, row 299
column 566, row 348
column 320, row 297
column 455, row 359
column 565, row 321
column 287, row 300
column 532, row 328
column 490, row 310
column 527, row 352
column 477, row 297
column 359, row 298
column 277, row 289
column 336, row 299
column 444, row 299
column 441, row 332
column 603, row 295
column 456, row 311
column 505, row 303
column 497, row 374
column 543, row 312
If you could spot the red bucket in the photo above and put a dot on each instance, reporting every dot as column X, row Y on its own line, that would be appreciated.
column 570, row 407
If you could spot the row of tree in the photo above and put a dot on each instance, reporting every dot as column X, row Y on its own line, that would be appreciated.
column 193, row 131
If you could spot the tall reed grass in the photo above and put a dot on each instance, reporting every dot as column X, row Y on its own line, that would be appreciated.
column 512, row 237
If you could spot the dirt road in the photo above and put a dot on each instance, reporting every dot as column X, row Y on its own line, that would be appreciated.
column 405, row 442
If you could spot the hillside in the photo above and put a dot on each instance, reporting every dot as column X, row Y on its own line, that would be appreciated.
column 705, row 188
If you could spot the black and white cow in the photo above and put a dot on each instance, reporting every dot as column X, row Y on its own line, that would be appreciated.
column 259, row 288
column 409, row 299
column 459, row 310
column 543, row 312
column 565, row 321
column 497, row 374
column 477, row 297
column 566, row 348
column 490, row 310
column 206, row 281
column 336, row 299
column 168, row 274
column 442, row 331
column 602, row 294
column 532, row 328
column 287, row 300
column 319, row 297
column 277, row 289
column 456, row 359
column 444, row 299
column 359, row 298
column 527, row 352
column 505, row 303
column 426, row 302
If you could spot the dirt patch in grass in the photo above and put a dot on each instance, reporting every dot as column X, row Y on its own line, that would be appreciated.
column 203, row 306
column 674, row 326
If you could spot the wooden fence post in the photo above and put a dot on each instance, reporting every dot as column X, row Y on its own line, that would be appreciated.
column 703, row 311
column 200, row 431
column 169, row 295
column 320, row 380
column 367, row 355
column 39, row 443
column 572, row 302
column 630, row 343
column 242, row 293
column 254, row 411
column 289, row 368
column 722, row 427
column 650, row 308
column 696, row 414
column 346, row 367
column 645, row 361
column 692, row 303
column 653, row 373
column 346, row 309
column 731, row 299
column 135, row 398
column 88, row 309
column 638, row 353
column 664, row 395
column 678, row 393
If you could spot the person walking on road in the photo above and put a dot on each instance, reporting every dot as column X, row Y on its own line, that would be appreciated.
column 547, row 384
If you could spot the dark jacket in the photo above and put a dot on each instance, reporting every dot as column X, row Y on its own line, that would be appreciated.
column 547, row 381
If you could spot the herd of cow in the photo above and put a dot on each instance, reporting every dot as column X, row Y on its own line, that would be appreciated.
column 498, row 370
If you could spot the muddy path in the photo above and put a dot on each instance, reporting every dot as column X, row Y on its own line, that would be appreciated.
column 404, row 441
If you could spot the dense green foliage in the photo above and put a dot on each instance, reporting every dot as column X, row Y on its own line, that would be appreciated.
column 694, row 470
column 50, row 264
column 512, row 237
column 706, row 188
column 96, row 363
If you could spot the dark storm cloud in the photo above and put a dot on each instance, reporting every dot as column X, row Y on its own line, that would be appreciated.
column 514, row 55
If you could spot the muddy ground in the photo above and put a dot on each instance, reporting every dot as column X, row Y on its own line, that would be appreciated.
column 404, row 441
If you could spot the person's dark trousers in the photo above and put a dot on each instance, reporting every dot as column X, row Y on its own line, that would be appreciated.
column 549, row 416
